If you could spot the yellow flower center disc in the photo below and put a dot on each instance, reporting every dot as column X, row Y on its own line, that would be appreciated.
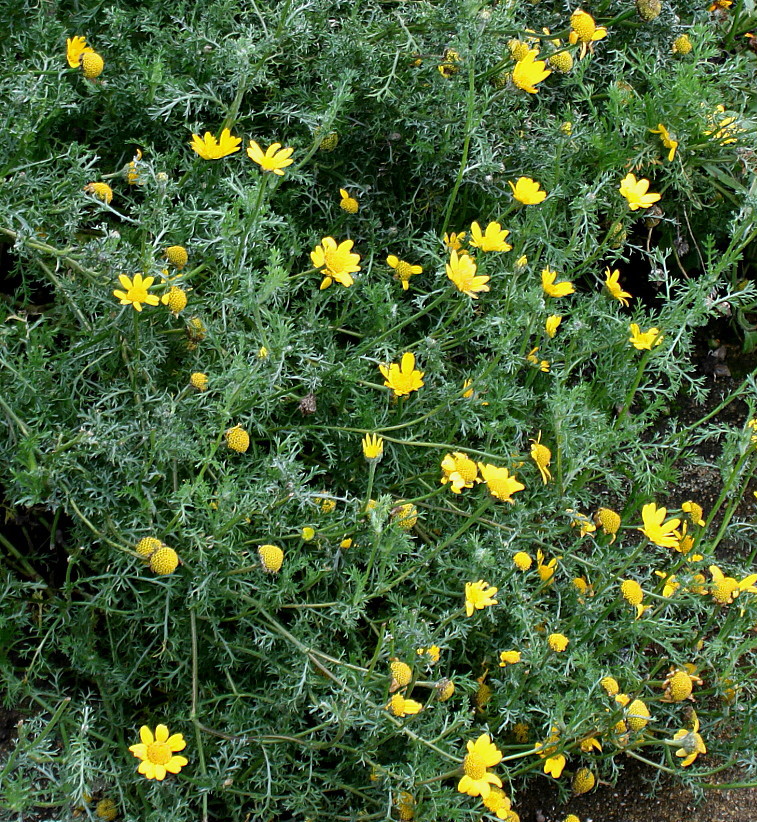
column 158, row 753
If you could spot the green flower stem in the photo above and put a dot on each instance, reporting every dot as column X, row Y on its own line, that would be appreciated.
column 13, row 416
column 63, row 254
column 369, row 489
column 735, row 498
column 632, row 392
column 193, row 711
column 366, row 346
column 436, row 551
column 469, row 127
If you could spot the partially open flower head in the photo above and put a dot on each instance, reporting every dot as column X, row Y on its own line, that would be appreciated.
column 76, row 48
column 542, row 456
column 725, row 589
column 101, row 191
column 636, row 192
column 403, row 378
column 656, row 529
column 479, row 595
column 373, row 447
column 493, row 239
column 695, row 512
column 613, row 287
column 552, row 289
column 690, row 741
column 211, row 149
column 460, row 471
column 498, row 803
column 644, row 340
column 667, row 140
column 529, row 71
column 403, row 271
column 402, row 707
column 527, row 191
column 482, row 754
column 500, row 482
column 348, row 203
column 158, row 752
column 609, row 521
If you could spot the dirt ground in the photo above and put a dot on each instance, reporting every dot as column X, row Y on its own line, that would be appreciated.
column 630, row 801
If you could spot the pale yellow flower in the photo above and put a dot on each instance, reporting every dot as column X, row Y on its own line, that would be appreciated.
column 460, row 471
column 477, row 780
column 664, row 534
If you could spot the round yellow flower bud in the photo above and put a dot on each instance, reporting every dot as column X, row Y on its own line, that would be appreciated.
column 164, row 561
column 107, row 809
column 558, row 642
column 518, row 49
column 330, row 141
column 445, row 688
column 608, row 519
column 177, row 255
column 583, row 781
column 238, row 439
column 176, row 300
column 405, row 515
column 631, row 591
column 271, row 558
column 100, row 190
column 648, row 9
column 562, row 61
column 682, row 44
column 92, row 65
column 638, row 715
column 199, row 381
column 571, row 817
column 328, row 505
column 610, row 684
column 401, row 673
column 522, row 561
column 679, row 687
column 147, row 546
column 405, row 804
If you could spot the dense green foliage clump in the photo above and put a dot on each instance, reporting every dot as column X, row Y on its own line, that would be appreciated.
column 217, row 402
